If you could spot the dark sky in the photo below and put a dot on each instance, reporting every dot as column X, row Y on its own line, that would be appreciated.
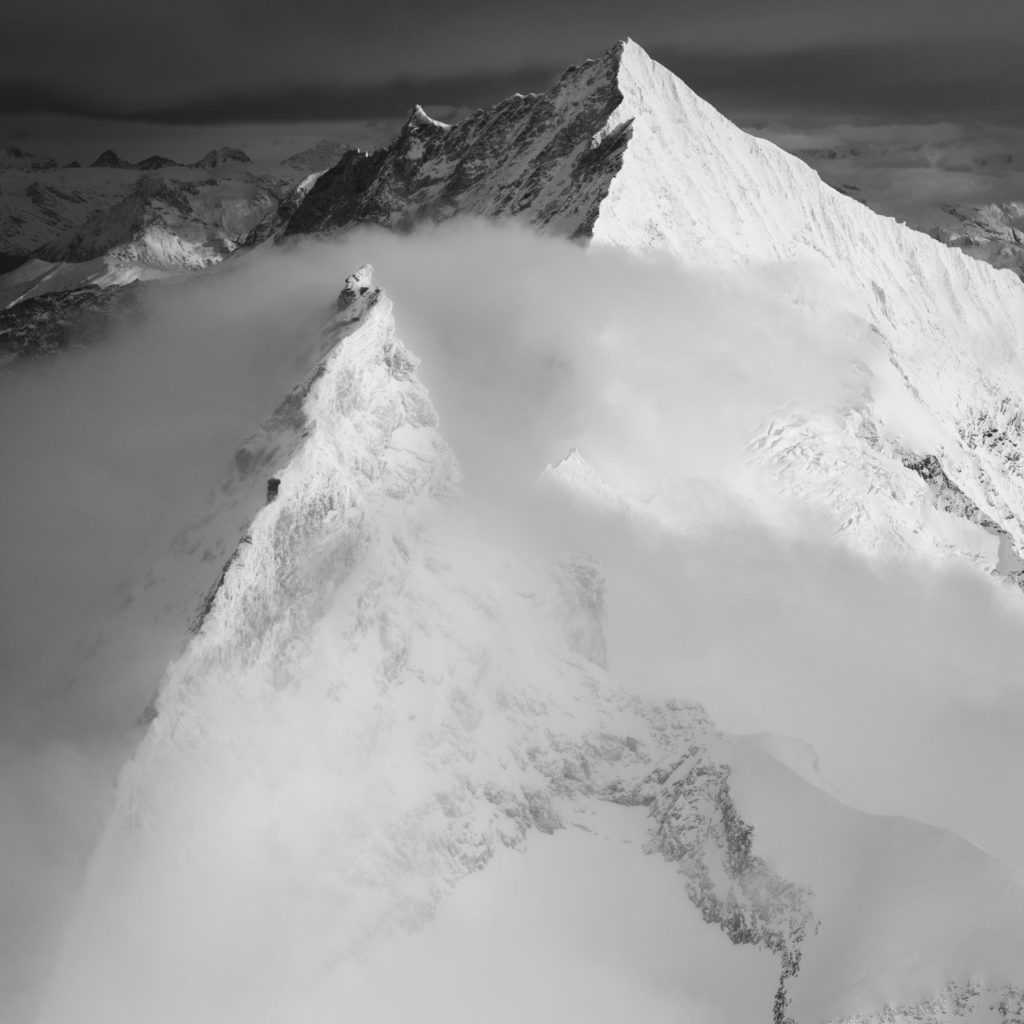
column 211, row 60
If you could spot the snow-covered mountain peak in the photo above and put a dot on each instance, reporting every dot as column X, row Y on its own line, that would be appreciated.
column 419, row 118
column 358, row 288
column 544, row 158
column 690, row 183
column 632, row 64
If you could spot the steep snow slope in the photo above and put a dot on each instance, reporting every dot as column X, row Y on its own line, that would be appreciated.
column 959, row 183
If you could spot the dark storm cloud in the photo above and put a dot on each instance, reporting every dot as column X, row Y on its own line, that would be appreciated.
column 944, row 80
column 261, row 58
column 387, row 99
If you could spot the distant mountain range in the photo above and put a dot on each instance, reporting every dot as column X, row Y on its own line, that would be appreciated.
column 214, row 158
column 961, row 184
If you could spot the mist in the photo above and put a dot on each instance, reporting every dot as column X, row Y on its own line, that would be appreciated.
column 902, row 674
column 108, row 452
column 719, row 589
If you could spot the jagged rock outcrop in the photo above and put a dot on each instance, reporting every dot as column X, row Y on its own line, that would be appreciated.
column 950, row 499
column 274, row 224
column 545, row 159
column 752, row 905
column 47, row 324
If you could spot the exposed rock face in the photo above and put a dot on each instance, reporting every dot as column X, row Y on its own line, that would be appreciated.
column 696, row 824
column 274, row 224
column 950, row 499
column 947, row 494
column 545, row 159
column 45, row 325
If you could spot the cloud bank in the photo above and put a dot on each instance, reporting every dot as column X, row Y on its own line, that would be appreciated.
column 717, row 589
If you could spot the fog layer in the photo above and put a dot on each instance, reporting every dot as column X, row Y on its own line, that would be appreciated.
column 903, row 676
